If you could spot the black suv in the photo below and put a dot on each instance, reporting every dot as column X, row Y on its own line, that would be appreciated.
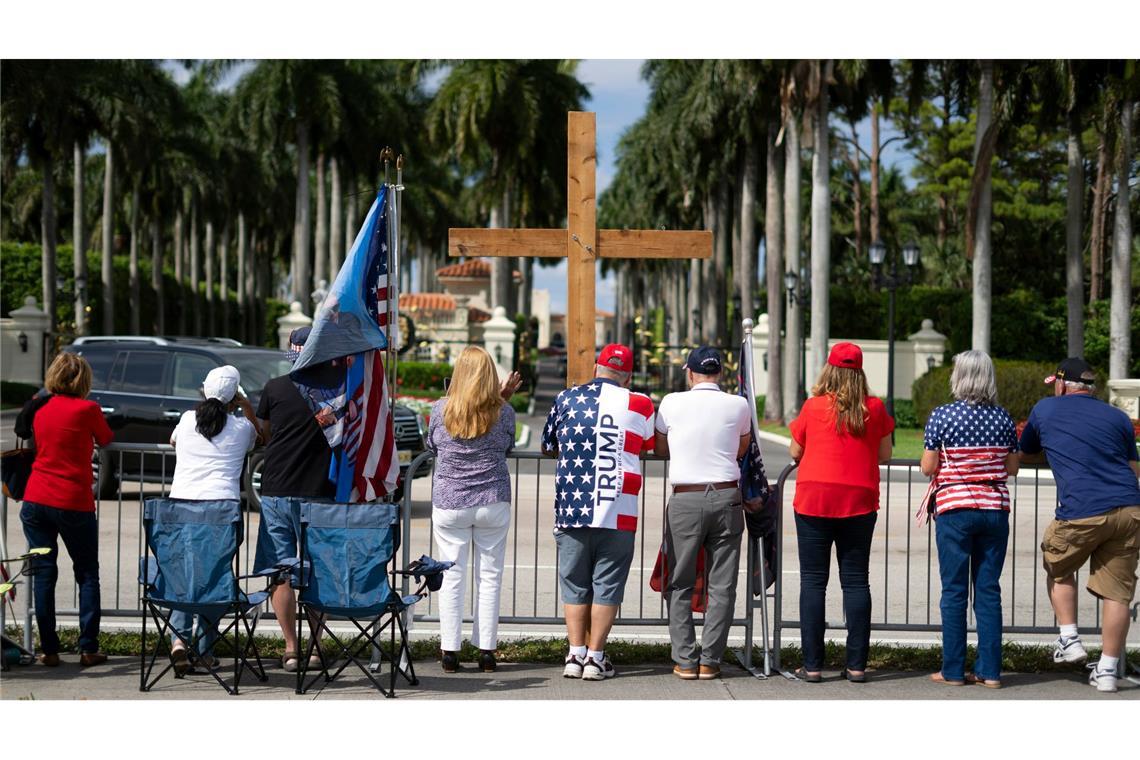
column 145, row 384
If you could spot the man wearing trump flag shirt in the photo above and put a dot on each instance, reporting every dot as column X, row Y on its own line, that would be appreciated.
column 597, row 430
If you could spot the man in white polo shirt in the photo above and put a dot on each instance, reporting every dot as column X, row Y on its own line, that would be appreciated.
column 704, row 431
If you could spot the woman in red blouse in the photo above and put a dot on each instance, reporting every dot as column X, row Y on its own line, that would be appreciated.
column 58, row 501
column 839, row 439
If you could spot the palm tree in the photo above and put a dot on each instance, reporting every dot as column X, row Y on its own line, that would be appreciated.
column 44, row 112
column 793, row 86
column 489, row 112
column 820, row 217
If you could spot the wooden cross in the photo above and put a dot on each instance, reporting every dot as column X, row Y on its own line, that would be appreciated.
column 581, row 243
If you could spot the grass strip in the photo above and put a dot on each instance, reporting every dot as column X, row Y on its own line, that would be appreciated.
column 1016, row 658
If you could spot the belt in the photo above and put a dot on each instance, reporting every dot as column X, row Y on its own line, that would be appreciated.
column 693, row 487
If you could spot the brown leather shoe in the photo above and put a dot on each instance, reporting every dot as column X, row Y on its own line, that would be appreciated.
column 686, row 674
column 87, row 659
column 50, row 660
column 709, row 672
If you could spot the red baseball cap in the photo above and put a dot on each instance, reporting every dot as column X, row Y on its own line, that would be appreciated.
column 846, row 355
column 617, row 357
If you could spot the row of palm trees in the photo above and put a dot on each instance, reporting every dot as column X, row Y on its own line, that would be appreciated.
column 240, row 188
column 715, row 130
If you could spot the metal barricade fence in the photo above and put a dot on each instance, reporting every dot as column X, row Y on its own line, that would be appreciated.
column 904, row 575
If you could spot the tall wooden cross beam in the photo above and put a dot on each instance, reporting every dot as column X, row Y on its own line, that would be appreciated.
column 581, row 243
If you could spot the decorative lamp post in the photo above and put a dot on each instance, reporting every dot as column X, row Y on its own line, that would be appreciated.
column 799, row 294
column 892, row 281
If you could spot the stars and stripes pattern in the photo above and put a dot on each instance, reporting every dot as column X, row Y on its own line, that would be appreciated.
column 354, row 325
column 753, row 480
column 973, row 441
column 599, row 430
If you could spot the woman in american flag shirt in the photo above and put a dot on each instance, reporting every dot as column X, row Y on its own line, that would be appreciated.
column 971, row 449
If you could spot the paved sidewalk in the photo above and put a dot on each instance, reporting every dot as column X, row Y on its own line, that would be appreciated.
column 119, row 679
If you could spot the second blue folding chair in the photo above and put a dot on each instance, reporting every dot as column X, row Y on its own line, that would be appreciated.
column 346, row 553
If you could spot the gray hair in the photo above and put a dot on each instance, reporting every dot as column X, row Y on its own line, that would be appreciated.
column 1072, row 387
column 611, row 374
column 973, row 379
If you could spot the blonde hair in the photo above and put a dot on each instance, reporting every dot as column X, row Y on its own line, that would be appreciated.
column 848, row 390
column 69, row 375
column 474, row 400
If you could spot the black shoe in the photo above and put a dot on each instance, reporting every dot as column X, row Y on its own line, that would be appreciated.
column 803, row 675
column 855, row 677
column 487, row 662
column 450, row 661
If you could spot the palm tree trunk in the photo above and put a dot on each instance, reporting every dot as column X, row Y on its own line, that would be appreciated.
column 983, row 253
column 774, row 272
column 133, row 270
column 108, row 271
column 709, row 292
column 1074, row 255
column 422, row 266
column 748, row 191
column 179, row 270
column 211, row 324
column 856, row 192
column 1120, row 330
column 723, row 261
column 159, row 322
column 526, row 285
column 693, row 314
column 242, row 275
column 336, row 220
column 195, row 267
column 943, row 199
column 48, row 236
column 875, row 149
column 79, row 241
column 321, row 256
column 252, row 303
column 820, row 229
column 793, row 382
column 1099, row 214
column 350, row 222
column 223, row 277
column 302, row 225
column 501, row 267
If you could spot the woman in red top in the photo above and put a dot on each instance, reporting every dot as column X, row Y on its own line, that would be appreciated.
column 58, row 501
column 839, row 439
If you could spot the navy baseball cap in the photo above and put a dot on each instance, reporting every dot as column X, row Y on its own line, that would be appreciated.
column 1073, row 370
column 297, row 340
column 705, row 361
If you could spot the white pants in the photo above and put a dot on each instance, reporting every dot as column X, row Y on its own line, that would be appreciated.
column 455, row 530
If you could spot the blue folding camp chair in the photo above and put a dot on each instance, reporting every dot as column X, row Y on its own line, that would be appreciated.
column 190, row 565
column 345, row 552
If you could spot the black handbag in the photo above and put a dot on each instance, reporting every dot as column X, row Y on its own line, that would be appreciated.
column 15, row 469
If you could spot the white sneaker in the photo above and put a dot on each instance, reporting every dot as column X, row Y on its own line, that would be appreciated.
column 1069, row 650
column 574, row 666
column 598, row 671
column 1103, row 680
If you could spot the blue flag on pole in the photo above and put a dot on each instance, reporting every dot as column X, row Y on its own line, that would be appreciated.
column 753, row 481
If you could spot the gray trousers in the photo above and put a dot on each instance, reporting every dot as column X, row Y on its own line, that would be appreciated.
column 713, row 520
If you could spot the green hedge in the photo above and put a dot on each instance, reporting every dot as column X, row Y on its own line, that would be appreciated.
column 429, row 376
column 1019, row 384
column 13, row 394
column 21, row 267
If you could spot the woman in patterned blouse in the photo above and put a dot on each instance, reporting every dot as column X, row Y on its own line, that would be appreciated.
column 971, row 448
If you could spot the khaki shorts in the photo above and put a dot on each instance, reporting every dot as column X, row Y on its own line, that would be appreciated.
column 1112, row 540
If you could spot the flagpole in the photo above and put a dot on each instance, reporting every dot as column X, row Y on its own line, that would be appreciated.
column 750, row 347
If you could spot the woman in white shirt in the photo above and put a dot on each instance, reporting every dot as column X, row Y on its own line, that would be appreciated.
column 210, row 444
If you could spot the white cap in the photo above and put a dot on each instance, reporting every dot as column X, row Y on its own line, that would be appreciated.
column 222, row 383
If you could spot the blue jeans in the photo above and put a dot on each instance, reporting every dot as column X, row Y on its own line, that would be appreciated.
column 852, row 539
column 971, row 542
column 43, row 525
column 207, row 630
column 279, row 532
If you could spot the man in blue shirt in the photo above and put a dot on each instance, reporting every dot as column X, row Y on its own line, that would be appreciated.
column 1091, row 448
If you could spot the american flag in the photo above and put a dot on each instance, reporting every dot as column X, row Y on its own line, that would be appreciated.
column 753, row 481
column 974, row 440
column 354, row 325
column 599, row 430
